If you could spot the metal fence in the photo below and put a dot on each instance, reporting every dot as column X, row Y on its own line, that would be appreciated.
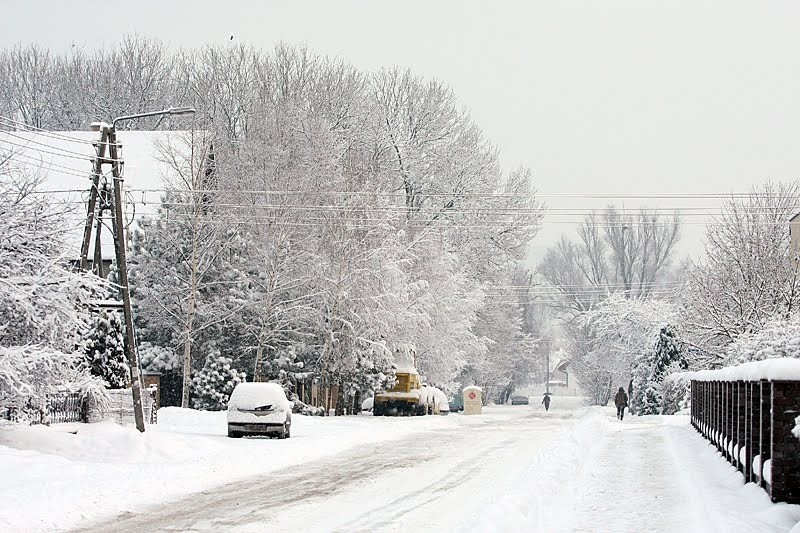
column 751, row 424
column 56, row 408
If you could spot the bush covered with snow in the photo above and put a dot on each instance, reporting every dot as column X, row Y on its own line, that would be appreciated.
column 157, row 358
column 649, row 371
column 43, row 301
column 104, row 350
column 213, row 385
column 676, row 393
column 29, row 374
column 779, row 338
column 300, row 407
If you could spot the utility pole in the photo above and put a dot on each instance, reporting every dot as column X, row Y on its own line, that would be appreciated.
column 547, row 370
column 97, row 169
column 112, row 202
column 122, row 271
column 108, row 142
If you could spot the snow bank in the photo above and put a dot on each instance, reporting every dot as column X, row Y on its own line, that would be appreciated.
column 769, row 369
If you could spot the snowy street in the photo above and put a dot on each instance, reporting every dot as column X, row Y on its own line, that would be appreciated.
column 432, row 479
column 515, row 468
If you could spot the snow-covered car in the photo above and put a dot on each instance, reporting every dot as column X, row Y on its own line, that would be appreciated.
column 519, row 400
column 259, row 409
column 435, row 400
column 366, row 405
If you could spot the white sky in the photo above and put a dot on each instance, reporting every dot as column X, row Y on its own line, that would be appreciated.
column 596, row 97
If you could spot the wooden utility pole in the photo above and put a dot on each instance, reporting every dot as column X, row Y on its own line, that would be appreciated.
column 122, row 271
column 113, row 202
column 97, row 169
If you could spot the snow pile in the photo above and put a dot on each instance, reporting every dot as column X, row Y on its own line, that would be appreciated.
column 796, row 429
column 769, row 369
column 435, row 398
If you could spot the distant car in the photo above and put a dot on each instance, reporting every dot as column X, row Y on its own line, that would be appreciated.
column 457, row 403
column 366, row 405
column 259, row 409
column 519, row 400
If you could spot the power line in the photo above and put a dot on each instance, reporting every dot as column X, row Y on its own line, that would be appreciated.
column 39, row 131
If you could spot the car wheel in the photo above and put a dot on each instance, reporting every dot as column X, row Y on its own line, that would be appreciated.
column 287, row 431
column 283, row 433
column 234, row 434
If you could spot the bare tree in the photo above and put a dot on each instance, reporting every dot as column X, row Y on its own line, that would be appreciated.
column 749, row 275
column 616, row 252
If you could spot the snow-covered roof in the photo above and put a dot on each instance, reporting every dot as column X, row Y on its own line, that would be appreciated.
column 474, row 387
column 770, row 369
column 65, row 160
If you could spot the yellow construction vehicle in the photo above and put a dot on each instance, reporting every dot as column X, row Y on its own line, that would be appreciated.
column 403, row 399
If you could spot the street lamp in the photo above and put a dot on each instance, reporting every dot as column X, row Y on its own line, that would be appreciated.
column 168, row 111
column 109, row 136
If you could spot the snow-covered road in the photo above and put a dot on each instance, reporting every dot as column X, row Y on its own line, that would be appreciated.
column 432, row 479
column 573, row 469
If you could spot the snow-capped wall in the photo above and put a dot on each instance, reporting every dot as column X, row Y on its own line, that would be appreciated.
column 770, row 369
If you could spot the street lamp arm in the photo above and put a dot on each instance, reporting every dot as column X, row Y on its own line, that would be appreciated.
column 169, row 111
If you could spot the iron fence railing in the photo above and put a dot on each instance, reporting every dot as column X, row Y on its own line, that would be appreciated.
column 751, row 423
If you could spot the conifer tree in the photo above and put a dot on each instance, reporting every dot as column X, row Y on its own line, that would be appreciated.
column 213, row 385
column 650, row 369
column 104, row 350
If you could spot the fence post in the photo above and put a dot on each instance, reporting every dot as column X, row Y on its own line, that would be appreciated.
column 706, row 409
column 764, row 430
column 732, row 422
column 721, row 417
column 785, row 447
column 741, row 425
column 726, row 420
column 747, row 459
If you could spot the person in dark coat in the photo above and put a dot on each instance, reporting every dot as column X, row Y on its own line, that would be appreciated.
column 546, row 402
column 621, row 401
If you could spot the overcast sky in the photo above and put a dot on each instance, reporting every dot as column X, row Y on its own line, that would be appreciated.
column 605, row 97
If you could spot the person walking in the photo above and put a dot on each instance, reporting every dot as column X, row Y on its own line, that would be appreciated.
column 546, row 402
column 621, row 401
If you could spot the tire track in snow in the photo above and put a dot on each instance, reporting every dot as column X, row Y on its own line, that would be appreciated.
column 255, row 501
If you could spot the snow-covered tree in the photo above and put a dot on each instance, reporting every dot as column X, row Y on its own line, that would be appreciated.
column 749, row 275
column 185, row 263
column 649, row 371
column 157, row 358
column 104, row 350
column 780, row 337
column 213, row 385
column 616, row 252
column 43, row 302
column 604, row 344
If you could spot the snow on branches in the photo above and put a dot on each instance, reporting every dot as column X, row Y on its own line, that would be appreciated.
column 617, row 337
column 104, row 350
column 43, row 301
column 213, row 385
column 749, row 275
